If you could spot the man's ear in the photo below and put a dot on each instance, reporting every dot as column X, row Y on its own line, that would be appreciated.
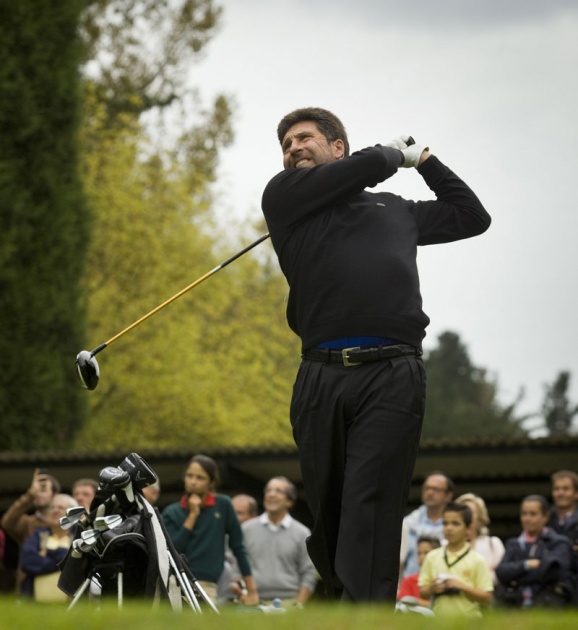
column 338, row 149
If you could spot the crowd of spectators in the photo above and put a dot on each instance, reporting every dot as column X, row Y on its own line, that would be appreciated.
column 472, row 569
column 450, row 563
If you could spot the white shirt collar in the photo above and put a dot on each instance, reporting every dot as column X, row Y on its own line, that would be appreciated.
column 284, row 523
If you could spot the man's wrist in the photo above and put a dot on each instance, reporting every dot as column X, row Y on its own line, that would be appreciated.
column 424, row 156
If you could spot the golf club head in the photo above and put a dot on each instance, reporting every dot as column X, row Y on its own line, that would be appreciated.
column 140, row 472
column 113, row 477
column 73, row 515
column 89, row 535
column 104, row 523
column 87, row 369
column 81, row 546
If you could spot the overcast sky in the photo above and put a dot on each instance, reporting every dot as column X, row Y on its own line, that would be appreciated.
column 491, row 86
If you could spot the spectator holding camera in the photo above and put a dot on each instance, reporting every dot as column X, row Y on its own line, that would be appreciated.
column 456, row 577
column 30, row 511
column 564, row 515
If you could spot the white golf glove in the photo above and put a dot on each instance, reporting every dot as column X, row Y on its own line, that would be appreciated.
column 411, row 153
column 398, row 143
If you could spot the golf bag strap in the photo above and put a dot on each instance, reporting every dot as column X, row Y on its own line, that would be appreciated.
column 168, row 585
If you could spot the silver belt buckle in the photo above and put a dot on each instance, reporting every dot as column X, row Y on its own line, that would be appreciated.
column 345, row 356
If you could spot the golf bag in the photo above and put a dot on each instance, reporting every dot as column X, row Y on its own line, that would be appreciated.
column 122, row 546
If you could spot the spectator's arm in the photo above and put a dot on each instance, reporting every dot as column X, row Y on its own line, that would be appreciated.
column 12, row 522
column 307, row 573
column 552, row 567
column 303, row 595
column 512, row 566
column 426, row 580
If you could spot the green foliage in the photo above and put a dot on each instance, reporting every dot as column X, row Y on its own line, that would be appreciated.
column 141, row 50
column 556, row 409
column 43, row 223
column 212, row 369
column 461, row 400
column 136, row 57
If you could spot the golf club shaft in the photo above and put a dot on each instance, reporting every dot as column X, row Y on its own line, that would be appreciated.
column 180, row 293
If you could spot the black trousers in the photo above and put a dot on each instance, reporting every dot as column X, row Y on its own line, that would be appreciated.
column 357, row 430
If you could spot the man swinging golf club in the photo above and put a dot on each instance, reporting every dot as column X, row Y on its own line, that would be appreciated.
column 349, row 257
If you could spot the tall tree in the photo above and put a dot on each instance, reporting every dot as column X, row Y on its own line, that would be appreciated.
column 136, row 58
column 43, row 222
column 557, row 411
column 461, row 400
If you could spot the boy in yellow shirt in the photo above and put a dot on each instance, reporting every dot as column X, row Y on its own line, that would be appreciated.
column 455, row 577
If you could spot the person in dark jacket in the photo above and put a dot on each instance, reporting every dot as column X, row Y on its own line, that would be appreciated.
column 43, row 550
column 564, row 515
column 536, row 567
column 349, row 257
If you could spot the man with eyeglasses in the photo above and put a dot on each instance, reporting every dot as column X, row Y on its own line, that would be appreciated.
column 436, row 492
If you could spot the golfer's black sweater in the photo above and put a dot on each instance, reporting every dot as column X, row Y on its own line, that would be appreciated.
column 349, row 255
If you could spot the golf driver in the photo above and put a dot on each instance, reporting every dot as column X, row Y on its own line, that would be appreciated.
column 87, row 366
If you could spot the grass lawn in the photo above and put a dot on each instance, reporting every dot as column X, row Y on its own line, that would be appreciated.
column 140, row 616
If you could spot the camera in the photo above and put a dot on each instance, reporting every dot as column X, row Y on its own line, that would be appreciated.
column 442, row 577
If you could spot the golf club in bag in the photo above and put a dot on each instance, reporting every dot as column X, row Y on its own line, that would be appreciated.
column 87, row 366
column 122, row 546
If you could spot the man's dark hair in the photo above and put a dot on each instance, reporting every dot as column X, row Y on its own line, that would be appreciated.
column 460, row 508
column 538, row 498
column 327, row 123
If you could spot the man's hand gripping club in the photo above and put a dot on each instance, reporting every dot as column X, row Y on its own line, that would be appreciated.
column 414, row 154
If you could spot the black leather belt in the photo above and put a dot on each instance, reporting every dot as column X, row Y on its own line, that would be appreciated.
column 357, row 356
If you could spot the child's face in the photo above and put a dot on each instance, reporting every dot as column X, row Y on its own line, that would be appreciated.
column 197, row 480
column 423, row 549
column 455, row 529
